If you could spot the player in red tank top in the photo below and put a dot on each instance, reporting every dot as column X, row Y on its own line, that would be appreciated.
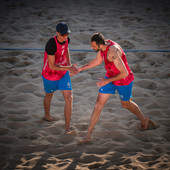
column 60, row 59
column 111, row 69
column 55, row 72
column 118, row 77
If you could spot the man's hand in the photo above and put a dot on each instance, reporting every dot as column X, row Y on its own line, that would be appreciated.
column 73, row 69
column 102, row 82
column 79, row 69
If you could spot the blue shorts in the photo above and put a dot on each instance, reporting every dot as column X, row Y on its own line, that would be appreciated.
column 63, row 84
column 125, row 92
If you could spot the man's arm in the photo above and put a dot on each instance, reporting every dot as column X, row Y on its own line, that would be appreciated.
column 97, row 61
column 53, row 66
column 114, row 55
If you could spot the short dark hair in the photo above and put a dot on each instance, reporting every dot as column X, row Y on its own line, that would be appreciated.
column 98, row 38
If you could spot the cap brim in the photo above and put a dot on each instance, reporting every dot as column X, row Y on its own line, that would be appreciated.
column 69, row 31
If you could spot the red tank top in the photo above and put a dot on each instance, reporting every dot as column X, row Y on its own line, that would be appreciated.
column 111, row 69
column 60, row 59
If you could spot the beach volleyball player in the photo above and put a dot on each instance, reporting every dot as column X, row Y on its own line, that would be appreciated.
column 55, row 72
column 118, row 77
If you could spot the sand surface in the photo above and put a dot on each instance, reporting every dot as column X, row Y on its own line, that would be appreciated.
column 28, row 142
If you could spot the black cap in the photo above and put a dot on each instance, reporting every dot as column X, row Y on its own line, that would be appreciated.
column 62, row 28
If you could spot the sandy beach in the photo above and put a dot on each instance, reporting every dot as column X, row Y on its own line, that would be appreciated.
column 28, row 142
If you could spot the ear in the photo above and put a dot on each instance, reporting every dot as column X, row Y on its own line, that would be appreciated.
column 100, row 46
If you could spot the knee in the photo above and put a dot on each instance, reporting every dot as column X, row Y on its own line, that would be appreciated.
column 99, row 105
column 48, row 96
column 69, row 98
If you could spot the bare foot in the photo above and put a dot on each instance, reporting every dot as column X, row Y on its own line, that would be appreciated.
column 48, row 119
column 84, row 140
column 144, row 125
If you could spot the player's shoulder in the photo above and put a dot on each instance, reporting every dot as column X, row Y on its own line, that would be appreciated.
column 113, row 48
column 50, row 47
column 51, row 41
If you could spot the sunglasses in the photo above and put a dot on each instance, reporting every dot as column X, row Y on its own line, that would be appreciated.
column 64, row 35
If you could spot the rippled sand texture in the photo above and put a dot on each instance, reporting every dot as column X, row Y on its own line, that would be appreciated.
column 28, row 142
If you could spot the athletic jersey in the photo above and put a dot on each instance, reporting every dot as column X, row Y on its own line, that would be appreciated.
column 51, row 47
column 111, row 69
column 60, row 59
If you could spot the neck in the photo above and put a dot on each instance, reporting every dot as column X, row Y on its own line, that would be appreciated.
column 59, row 39
column 103, row 47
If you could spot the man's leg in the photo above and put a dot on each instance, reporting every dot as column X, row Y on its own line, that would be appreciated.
column 100, row 102
column 47, row 104
column 133, row 107
column 68, row 108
